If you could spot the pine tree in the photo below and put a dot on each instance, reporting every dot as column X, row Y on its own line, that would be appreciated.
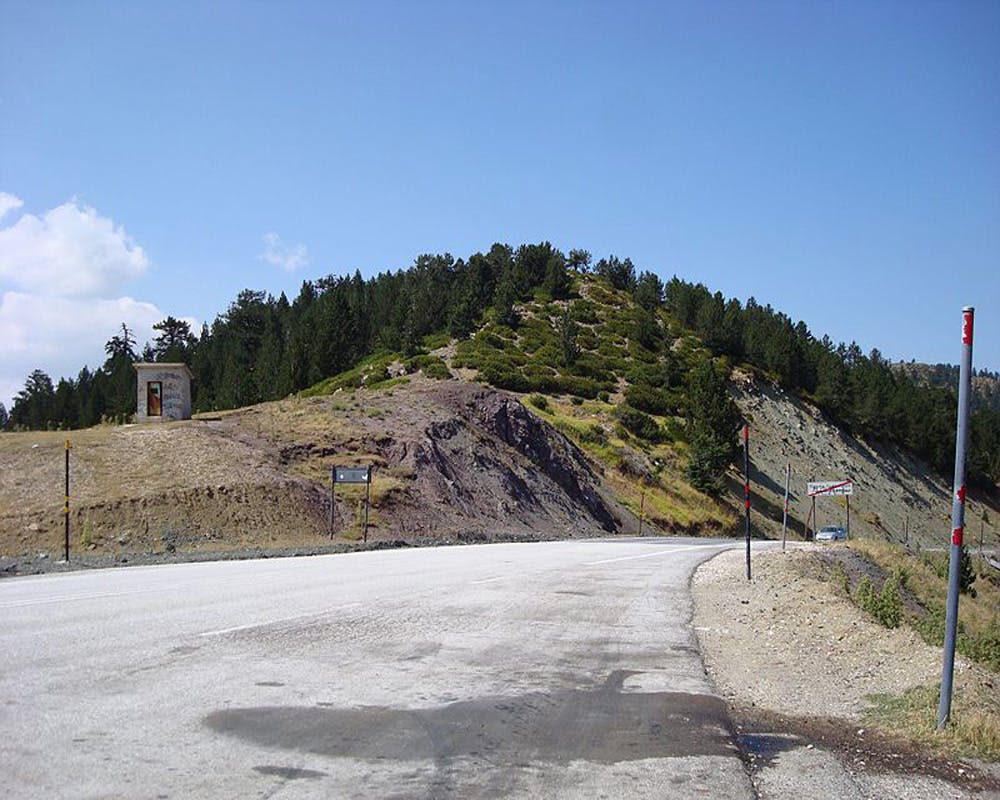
column 504, row 300
column 567, row 329
column 712, row 419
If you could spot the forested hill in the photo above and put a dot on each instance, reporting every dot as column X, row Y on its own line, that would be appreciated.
column 985, row 383
column 264, row 348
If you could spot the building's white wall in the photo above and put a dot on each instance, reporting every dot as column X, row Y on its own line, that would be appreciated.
column 176, row 396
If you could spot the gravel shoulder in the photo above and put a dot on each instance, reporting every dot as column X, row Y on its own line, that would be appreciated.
column 797, row 664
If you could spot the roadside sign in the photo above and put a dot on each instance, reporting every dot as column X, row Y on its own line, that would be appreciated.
column 830, row 488
column 352, row 474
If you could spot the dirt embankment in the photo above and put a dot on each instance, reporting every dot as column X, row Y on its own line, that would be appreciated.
column 801, row 667
column 452, row 460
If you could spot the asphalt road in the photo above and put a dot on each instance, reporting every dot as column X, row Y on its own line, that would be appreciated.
column 564, row 669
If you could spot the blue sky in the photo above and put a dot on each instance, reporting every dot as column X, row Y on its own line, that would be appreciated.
column 840, row 161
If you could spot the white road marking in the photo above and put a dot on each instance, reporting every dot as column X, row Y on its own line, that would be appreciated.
column 657, row 553
column 247, row 627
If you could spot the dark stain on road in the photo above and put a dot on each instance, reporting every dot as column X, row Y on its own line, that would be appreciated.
column 289, row 773
column 603, row 725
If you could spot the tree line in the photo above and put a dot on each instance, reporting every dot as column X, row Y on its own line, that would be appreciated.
column 263, row 348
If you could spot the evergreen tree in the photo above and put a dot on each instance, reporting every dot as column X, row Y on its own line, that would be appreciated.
column 4, row 417
column 567, row 329
column 503, row 302
column 712, row 419
column 120, row 382
column 579, row 260
column 174, row 342
column 649, row 291
column 619, row 273
column 32, row 407
column 557, row 282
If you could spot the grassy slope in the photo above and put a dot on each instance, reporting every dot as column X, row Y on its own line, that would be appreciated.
column 583, row 400
column 923, row 581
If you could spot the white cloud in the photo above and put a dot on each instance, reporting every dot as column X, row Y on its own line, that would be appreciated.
column 62, row 280
column 278, row 254
column 8, row 202
column 69, row 251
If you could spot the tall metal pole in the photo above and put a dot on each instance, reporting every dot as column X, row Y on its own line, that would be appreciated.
column 784, row 516
column 746, row 488
column 957, row 519
column 66, row 506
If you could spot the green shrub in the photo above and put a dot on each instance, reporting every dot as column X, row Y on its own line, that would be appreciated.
column 651, row 400
column 594, row 434
column 886, row 606
column 539, row 401
column 639, row 424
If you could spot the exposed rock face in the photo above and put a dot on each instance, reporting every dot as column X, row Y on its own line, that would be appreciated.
column 485, row 463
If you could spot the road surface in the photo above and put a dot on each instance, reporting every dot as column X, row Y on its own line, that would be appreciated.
column 562, row 669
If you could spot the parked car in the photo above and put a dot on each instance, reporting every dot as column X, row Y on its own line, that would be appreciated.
column 831, row 533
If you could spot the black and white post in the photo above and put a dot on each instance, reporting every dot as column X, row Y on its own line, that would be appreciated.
column 957, row 519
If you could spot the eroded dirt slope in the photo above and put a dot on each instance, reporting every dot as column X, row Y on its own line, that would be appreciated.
column 451, row 460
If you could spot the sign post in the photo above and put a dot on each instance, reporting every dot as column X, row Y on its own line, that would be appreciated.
column 957, row 519
column 843, row 489
column 351, row 475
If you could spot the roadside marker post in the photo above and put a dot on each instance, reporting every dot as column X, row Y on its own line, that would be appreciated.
column 746, row 487
column 784, row 516
column 66, row 505
column 957, row 519
column 350, row 475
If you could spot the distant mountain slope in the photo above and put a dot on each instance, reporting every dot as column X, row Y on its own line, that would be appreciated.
column 985, row 383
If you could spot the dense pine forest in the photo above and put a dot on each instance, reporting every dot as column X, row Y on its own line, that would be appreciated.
column 263, row 348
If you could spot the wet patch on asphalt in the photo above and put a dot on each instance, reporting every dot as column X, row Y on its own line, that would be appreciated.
column 859, row 748
column 289, row 773
column 602, row 725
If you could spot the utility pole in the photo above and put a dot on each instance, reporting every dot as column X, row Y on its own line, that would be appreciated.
column 957, row 519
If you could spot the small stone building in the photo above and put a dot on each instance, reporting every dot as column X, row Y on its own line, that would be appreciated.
column 163, row 392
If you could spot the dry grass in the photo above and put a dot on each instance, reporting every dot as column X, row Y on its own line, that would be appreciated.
column 663, row 497
column 974, row 729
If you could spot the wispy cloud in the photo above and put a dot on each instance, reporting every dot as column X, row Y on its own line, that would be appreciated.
column 8, row 203
column 288, row 257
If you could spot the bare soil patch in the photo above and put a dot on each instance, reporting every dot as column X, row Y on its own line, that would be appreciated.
column 453, row 461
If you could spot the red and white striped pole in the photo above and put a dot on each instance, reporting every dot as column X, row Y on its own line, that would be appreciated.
column 746, row 487
column 957, row 518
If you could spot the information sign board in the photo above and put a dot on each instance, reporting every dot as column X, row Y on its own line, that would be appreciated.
column 351, row 474
column 830, row 488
